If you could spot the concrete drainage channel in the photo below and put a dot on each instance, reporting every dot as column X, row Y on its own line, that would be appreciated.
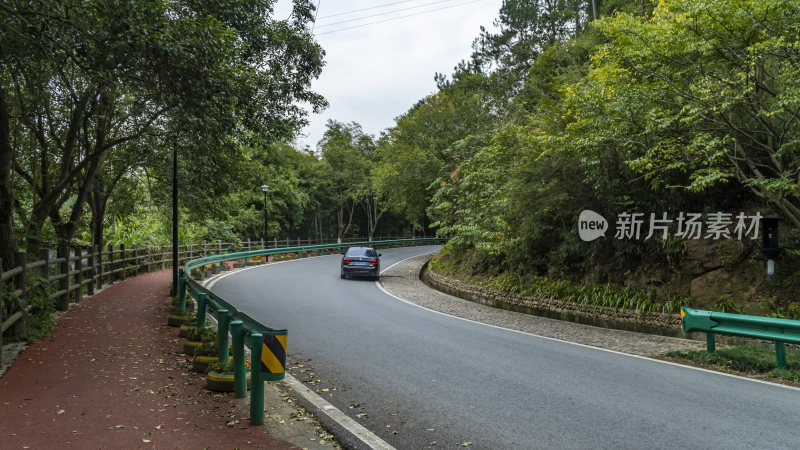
column 349, row 433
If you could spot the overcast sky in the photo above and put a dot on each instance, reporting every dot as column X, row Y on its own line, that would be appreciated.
column 375, row 73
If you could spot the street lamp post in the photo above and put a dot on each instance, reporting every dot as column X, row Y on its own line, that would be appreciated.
column 175, row 262
column 266, row 227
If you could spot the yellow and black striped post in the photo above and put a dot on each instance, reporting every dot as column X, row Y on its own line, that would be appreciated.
column 273, row 355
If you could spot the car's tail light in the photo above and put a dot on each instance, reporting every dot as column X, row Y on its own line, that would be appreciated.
column 373, row 261
column 347, row 261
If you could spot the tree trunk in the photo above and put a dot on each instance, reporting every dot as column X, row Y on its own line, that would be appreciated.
column 8, row 239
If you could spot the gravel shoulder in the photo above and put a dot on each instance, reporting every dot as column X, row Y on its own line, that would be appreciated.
column 402, row 280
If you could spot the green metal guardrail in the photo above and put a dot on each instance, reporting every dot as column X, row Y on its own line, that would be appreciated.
column 267, row 345
column 778, row 330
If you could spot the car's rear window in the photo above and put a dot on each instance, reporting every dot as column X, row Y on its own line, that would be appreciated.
column 361, row 252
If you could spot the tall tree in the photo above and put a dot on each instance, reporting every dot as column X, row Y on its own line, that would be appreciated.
column 347, row 150
column 81, row 79
column 716, row 93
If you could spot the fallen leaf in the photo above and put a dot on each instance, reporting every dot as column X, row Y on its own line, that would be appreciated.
column 60, row 411
column 466, row 444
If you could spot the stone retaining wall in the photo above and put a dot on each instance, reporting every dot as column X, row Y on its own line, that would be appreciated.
column 622, row 319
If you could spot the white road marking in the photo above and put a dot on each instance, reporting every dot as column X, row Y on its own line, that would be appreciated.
column 356, row 429
column 351, row 426
column 576, row 343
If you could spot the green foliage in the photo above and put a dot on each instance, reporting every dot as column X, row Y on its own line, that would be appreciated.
column 208, row 338
column 707, row 94
column 594, row 296
column 40, row 320
column 747, row 359
column 102, row 92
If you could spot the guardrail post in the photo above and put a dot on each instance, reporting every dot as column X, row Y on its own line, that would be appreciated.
column 239, row 373
column 222, row 335
column 780, row 355
column 79, row 275
column 201, row 310
column 711, row 344
column 21, row 284
column 182, row 290
column 256, row 383
column 63, row 283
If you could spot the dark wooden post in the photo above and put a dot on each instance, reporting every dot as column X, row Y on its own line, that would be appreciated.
column 21, row 284
column 91, row 272
column 79, row 275
column 110, row 264
column 63, row 283
column 163, row 258
column 137, row 261
column 98, row 264
column 124, row 262
column 149, row 260
column 2, row 289
column 44, row 271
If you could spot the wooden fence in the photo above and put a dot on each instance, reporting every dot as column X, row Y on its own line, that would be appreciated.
column 79, row 271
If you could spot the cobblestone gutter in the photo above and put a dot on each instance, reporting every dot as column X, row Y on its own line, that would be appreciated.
column 403, row 280
column 620, row 319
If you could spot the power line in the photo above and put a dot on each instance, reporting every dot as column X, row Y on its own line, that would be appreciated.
column 315, row 16
column 385, row 13
column 366, row 9
column 399, row 17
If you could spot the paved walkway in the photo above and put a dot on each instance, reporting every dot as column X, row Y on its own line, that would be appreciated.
column 112, row 376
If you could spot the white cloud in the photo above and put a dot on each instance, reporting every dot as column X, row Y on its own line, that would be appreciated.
column 377, row 72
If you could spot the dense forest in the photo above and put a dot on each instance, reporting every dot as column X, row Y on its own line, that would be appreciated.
column 97, row 97
column 674, row 110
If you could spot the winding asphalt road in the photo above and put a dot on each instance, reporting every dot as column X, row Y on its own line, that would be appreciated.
column 415, row 377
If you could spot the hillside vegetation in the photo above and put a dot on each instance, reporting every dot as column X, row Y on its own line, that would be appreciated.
column 677, row 109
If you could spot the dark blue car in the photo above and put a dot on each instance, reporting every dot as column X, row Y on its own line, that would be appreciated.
column 362, row 262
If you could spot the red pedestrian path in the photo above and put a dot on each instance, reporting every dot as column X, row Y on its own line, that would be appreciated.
column 112, row 376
